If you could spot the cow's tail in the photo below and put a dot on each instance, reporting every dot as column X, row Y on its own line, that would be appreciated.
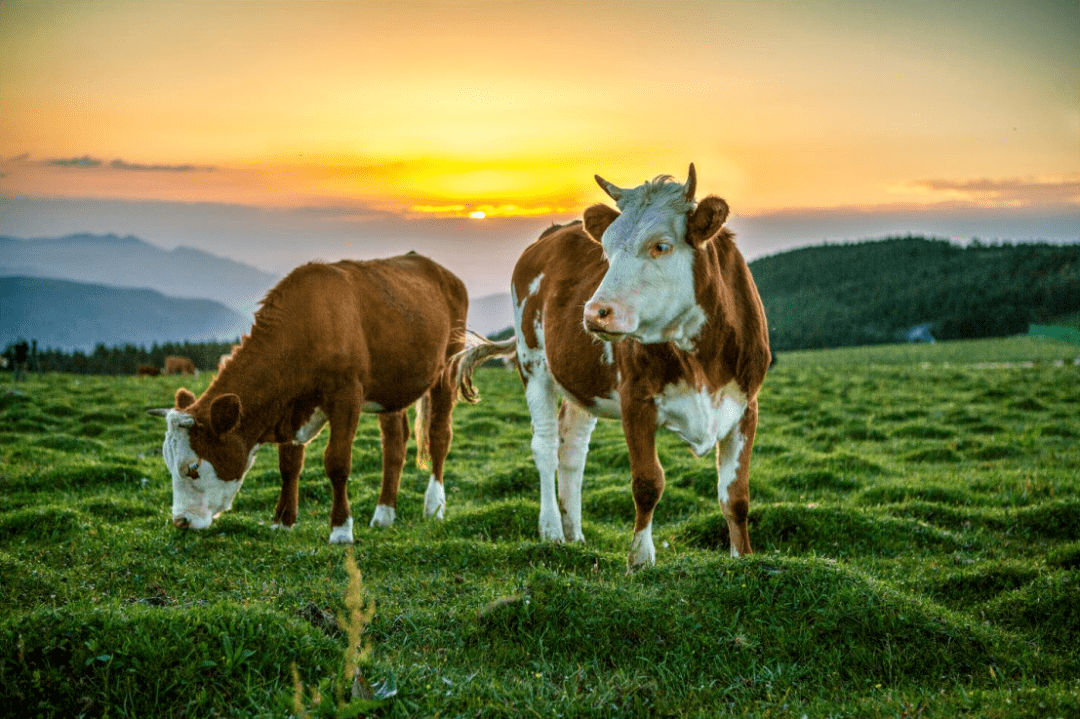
column 458, row 374
column 478, row 350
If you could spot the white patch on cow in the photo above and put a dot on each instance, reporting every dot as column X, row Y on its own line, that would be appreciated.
column 700, row 417
column 609, row 353
column 342, row 534
column 434, row 499
column 727, row 463
column 384, row 516
column 282, row 527
column 642, row 551
column 196, row 502
column 654, row 295
column 310, row 429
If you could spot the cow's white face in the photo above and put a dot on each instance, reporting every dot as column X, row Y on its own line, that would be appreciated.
column 648, row 291
column 199, row 495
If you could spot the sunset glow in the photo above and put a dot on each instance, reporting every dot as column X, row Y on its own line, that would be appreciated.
column 506, row 110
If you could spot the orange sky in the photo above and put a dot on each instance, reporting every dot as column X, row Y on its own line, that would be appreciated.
column 451, row 108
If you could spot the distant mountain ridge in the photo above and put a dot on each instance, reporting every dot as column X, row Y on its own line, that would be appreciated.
column 133, row 262
column 74, row 316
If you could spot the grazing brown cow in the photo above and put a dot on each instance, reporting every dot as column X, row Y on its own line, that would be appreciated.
column 649, row 315
column 146, row 370
column 180, row 365
column 329, row 341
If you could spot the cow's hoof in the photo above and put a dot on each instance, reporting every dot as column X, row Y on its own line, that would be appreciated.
column 551, row 530
column 384, row 516
column 342, row 534
column 434, row 499
column 642, row 552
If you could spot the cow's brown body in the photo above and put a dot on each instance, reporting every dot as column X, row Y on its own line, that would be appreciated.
column 180, row 365
column 332, row 340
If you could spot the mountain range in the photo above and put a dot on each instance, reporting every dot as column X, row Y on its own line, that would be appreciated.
column 131, row 262
column 78, row 291
column 75, row 316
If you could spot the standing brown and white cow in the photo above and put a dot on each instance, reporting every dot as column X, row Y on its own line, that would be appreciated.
column 330, row 341
column 647, row 314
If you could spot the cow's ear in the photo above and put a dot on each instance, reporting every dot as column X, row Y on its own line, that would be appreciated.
column 224, row 413
column 184, row 398
column 706, row 220
column 597, row 220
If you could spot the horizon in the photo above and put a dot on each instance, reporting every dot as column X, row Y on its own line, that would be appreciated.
column 282, row 132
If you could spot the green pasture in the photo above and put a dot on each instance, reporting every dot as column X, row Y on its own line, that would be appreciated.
column 915, row 513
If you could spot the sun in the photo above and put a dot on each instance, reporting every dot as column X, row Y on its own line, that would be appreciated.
column 478, row 215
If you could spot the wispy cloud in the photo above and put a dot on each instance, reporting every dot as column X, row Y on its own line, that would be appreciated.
column 1002, row 193
column 93, row 163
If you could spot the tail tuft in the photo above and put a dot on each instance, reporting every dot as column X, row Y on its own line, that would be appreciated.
column 477, row 351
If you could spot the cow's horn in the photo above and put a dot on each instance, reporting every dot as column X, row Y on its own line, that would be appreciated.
column 691, row 184
column 157, row 412
column 613, row 192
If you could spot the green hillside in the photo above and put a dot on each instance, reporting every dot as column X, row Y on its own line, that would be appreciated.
column 870, row 292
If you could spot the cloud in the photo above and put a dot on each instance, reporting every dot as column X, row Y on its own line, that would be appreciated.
column 92, row 163
column 1001, row 193
column 85, row 161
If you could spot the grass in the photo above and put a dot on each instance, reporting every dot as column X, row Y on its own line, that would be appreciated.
column 915, row 512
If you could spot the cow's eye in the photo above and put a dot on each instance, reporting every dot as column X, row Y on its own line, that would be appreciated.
column 660, row 249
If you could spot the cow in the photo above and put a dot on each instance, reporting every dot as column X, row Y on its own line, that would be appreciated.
column 647, row 314
column 145, row 370
column 329, row 341
column 179, row 365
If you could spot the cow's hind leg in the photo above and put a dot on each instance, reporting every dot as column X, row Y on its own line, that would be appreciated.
column 394, row 429
column 290, row 462
column 337, row 460
column 441, row 397
column 575, row 428
column 733, row 480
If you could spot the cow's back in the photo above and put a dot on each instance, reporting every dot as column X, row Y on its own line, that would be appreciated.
column 391, row 322
column 569, row 265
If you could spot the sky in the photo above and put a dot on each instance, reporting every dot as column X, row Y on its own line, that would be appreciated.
column 276, row 133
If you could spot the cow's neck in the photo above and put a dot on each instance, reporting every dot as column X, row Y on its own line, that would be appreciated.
column 258, row 386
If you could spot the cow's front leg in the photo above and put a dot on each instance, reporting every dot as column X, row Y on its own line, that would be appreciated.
column 733, row 479
column 337, row 460
column 290, row 462
column 543, row 409
column 647, row 484
column 394, row 430
column 575, row 428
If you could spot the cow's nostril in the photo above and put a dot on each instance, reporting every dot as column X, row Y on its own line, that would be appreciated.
column 603, row 312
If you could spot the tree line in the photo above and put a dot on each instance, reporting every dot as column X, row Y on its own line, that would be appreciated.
column 122, row 360
column 873, row 292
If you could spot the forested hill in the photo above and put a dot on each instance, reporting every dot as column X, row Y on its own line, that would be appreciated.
column 872, row 292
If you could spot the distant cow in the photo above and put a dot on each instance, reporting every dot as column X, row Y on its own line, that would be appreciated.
column 146, row 370
column 180, row 365
column 649, row 315
column 330, row 341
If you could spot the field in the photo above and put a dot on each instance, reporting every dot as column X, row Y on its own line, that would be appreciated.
column 915, row 513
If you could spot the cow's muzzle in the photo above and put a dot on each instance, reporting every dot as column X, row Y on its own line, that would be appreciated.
column 610, row 320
